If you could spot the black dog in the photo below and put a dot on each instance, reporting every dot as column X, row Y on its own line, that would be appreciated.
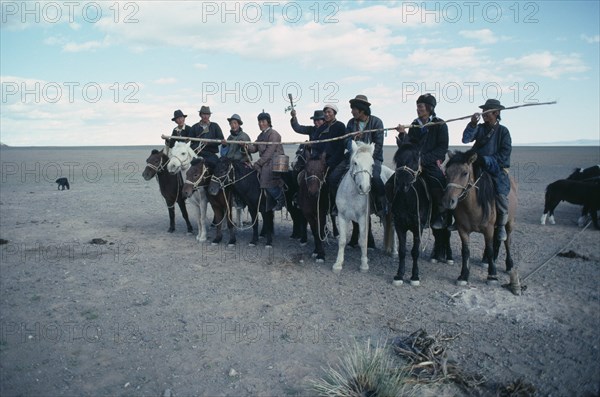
column 585, row 192
column 63, row 183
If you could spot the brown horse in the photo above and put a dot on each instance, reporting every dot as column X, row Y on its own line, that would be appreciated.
column 198, row 177
column 170, row 186
column 472, row 198
column 313, row 199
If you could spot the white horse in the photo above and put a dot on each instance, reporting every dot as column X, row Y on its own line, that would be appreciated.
column 180, row 160
column 352, row 201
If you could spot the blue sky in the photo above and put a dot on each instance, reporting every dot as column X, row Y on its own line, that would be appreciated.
column 112, row 73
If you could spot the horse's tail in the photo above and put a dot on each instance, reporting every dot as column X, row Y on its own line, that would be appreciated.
column 486, row 195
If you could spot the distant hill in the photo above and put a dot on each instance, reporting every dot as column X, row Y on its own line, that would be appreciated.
column 576, row 142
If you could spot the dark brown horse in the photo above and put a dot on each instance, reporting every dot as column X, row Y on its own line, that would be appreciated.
column 170, row 186
column 313, row 199
column 198, row 177
column 471, row 194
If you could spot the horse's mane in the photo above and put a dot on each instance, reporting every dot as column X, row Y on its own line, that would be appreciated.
column 363, row 147
column 485, row 187
column 398, row 158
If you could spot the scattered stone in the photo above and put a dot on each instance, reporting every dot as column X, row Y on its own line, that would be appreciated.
column 572, row 254
column 99, row 241
column 232, row 372
column 3, row 241
column 167, row 393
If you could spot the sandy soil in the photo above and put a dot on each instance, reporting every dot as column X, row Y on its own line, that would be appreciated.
column 151, row 311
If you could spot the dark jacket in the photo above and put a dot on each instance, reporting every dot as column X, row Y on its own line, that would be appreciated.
column 213, row 132
column 235, row 151
column 184, row 132
column 370, row 137
column 432, row 143
column 334, row 150
column 268, row 179
column 495, row 146
column 493, row 143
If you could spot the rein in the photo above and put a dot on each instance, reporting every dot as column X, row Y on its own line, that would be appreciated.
column 465, row 189
column 161, row 166
column 200, row 179
column 321, row 183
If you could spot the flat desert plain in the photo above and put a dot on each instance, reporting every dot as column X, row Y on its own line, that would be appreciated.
column 152, row 313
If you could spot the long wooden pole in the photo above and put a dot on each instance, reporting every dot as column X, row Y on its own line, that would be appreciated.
column 180, row 138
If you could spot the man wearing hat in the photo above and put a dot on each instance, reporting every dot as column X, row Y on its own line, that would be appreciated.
column 182, row 129
column 269, row 180
column 493, row 146
column 318, row 119
column 363, row 120
column 209, row 130
column 432, row 142
column 235, row 151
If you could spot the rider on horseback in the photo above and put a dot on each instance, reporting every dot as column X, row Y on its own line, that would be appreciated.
column 330, row 128
column 432, row 143
column 493, row 146
column 269, row 180
column 206, row 129
column 182, row 128
column 318, row 119
column 362, row 121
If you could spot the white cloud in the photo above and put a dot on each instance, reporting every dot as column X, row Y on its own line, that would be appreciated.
column 166, row 80
column 548, row 64
column 85, row 46
column 200, row 66
column 444, row 58
column 591, row 39
column 484, row 36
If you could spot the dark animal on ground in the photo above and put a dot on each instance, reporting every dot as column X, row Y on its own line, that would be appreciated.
column 585, row 173
column 63, row 183
column 170, row 186
column 585, row 192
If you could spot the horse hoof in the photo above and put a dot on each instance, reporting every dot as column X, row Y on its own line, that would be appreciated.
column 433, row 260
column 492, row 281
column 450, row 261
column 268, row 246
column 484, row 265
column 170, row 230
column 231, row 245
column 462, row 283
column 302, row 244
column 336, row 269
column 314, row 254
column 415, row 283
column 320, row 260
column 397, row 283
column 364, row 269
column 251, row 244
column 201, row 240
column 213, row 243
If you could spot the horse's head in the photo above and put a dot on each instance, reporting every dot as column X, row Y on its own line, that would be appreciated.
column 181, row 156
column 459, row 174
column 222, row 175
column 408, row 166
column 154, row 164
column 197, row 176
column 361, row 166
column 314, row 174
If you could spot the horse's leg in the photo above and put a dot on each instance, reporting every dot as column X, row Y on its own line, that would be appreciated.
column 269, row 227
column 254, row 216
column 509, row 259
column 343, row 229
column 448, row 248
column 364, row 225
column 388, row 234
column 334, row 225
column 436, row 252
column 184, row 213
column 370, row 238
column 202, row 220
column 218, row 211
column 489, row 254
column 463, row 279
column 354, row 238
column 399, row 278
column 414, row 280
column 171, row 217
column 230, row 225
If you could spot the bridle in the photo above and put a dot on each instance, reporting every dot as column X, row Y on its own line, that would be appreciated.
column 353, row 174
column 465, row 189
column 413, row 173
column 160, row 167
column 202, row 177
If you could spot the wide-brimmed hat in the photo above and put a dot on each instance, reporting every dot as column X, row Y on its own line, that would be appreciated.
column 360, row 98
column 331, row 106
column 204, row 110
column 237, row 118
column 319, row 115
column 492, row 104
column 427, row 99
column 178, row 113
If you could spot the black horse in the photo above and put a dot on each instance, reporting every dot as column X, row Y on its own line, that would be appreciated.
column 170, row 186
column 313, row 198
column 410, row 203
column 246, row 185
